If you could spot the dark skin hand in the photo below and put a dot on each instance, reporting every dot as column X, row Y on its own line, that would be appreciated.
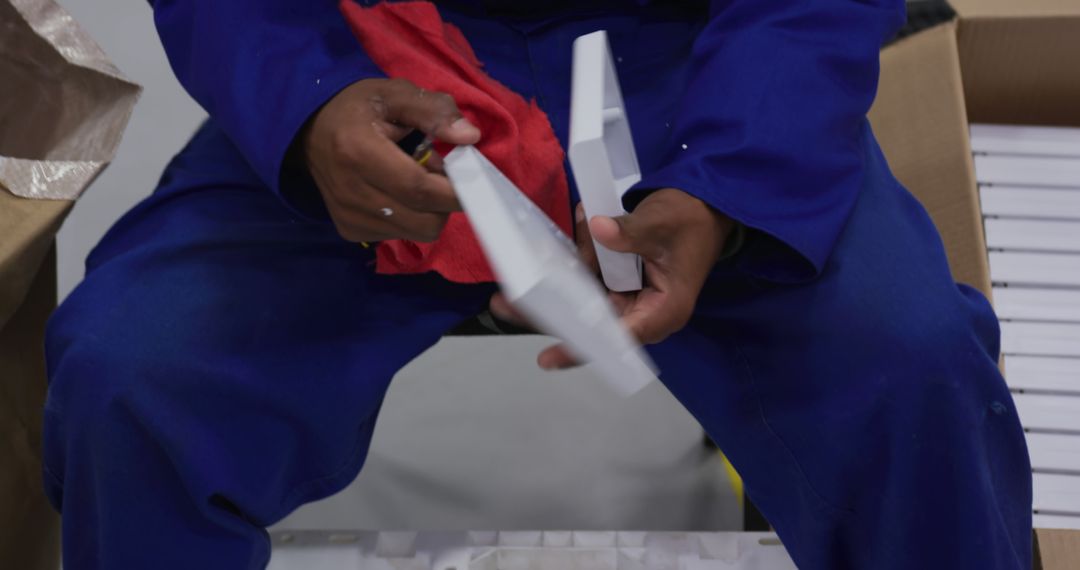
column 350, row 149
column 679, row 239
column 351, row 152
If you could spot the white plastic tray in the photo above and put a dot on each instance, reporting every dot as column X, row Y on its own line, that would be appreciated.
column 601, row 150
column 540, row 273
column 528, row 550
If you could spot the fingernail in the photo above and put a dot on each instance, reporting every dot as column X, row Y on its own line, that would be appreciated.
column 463, row 127
column 579, row 215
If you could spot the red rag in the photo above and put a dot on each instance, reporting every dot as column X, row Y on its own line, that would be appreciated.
column 409, row 40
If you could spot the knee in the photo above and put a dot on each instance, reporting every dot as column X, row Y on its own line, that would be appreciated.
column 940, row 341
column 93, row 364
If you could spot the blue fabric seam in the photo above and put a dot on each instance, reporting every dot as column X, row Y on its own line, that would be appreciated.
column 765, row 420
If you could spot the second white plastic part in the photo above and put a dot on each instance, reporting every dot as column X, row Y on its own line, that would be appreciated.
column 602, row 150
column 540, row 273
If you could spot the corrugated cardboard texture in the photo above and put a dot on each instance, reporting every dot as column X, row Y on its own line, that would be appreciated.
column 1057, row 549
column 29, row 528
column 1022, row 70
column 919, row 119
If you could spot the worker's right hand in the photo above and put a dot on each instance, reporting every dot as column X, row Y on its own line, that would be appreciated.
column 373, row 190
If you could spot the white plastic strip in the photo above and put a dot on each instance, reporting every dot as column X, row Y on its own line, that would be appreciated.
column 1024, row 268
column 1027, row 170
column 1040, row 235
column 601, row 150
column 1035, row 304
column 1011, row 139
column 1040, row 339
column 1057, row 521
column 1045, row 373
column 1016, row 201
column 1056, row 493
column 1054, row 452
column 1049, row 412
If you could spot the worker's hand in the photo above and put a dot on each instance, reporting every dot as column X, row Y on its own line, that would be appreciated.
column 373, row 190
column 679, row 239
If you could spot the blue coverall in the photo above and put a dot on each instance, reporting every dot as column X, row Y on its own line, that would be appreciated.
column 224, row 360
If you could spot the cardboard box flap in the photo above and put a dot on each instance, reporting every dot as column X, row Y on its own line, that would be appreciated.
column 919, row 119
column 1057, row 549
column 1019, row 61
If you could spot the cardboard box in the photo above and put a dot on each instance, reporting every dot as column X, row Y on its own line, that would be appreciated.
column 63, row 108
column 998, row 61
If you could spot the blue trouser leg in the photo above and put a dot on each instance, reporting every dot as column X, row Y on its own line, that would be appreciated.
column 221, row 365
column 865, row 409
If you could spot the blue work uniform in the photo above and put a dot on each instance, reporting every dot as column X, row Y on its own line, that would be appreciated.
column 225, row 359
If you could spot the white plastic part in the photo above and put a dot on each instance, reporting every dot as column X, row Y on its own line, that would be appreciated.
column 1010, row 170
column 1020, row 202
column 1038, row 304
column 1033, row 235
column 540, row 273
column 602, row 150
column 546, row 550
column 1036, row 141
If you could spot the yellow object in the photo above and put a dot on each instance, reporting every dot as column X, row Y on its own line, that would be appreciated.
column 733, row 476
column 426, row 157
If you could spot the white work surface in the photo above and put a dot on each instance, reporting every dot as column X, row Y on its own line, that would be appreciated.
column 1029, row 183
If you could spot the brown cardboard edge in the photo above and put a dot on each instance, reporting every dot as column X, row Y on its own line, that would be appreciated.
column 1011, row 9
column 28, row 228
column 1056, row 549
column 932, row 158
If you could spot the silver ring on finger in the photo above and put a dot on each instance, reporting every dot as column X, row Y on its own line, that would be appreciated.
column 386, row 212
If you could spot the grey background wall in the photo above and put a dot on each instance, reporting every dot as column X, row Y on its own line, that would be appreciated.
column 472, row 435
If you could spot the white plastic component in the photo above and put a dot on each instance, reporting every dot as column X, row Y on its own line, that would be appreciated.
column 1058, row 494
column 1057, row 521
column 602, row 150
column 1028, row 170
column 1042, row 339
column 1010, row 139
column 1037, row 304
column 1030, row 202
column 1048, row 412
column 1024, row 268
column 608, row 550
column 540, row 273
column 1054, row 452
column 1033, row 235
column 1043, row 373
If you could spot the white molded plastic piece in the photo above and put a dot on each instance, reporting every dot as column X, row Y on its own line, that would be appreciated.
column 602, row 150
column 1023, row 268
column 1037, row 141
column 1040, row 171
column 1043, row 373
column 1021, row 202
column 1041, row 339
column 540, row 273
column 540, row 550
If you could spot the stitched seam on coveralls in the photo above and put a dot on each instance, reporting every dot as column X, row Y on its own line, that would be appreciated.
column 764, row 418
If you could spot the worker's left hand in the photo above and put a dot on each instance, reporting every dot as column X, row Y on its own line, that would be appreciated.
column 679, row 239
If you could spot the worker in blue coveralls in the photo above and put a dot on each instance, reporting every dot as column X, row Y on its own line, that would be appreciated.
column 224, row 360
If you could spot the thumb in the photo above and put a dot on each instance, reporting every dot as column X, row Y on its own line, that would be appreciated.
column 432, row 112
column 626, row 234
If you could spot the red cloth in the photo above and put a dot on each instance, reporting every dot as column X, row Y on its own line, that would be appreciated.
column 409, row 40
